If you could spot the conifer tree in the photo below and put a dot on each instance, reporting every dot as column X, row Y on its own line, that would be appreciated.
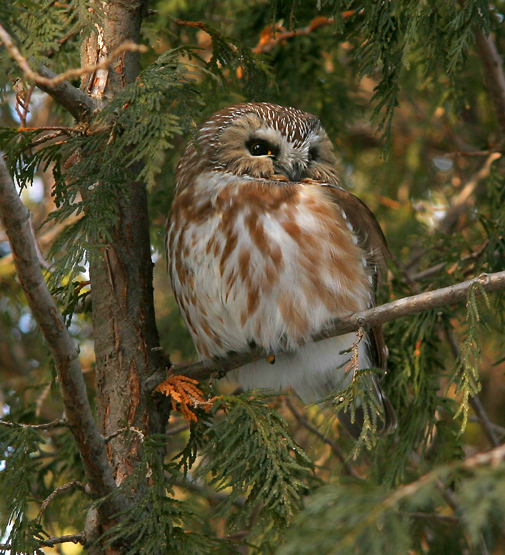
column 99, row 99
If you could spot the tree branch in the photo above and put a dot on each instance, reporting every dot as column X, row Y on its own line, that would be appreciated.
column 272, row 35
column 60, row 489
column 459, row 204
column 493, row 75
column 51, row 542
column 79, row 104
column 74, row 538
column 368, row 318
column 16, row 220
column 127, row 46
column 49, row 426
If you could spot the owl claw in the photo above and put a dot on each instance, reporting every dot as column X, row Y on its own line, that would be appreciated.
column 271, row 359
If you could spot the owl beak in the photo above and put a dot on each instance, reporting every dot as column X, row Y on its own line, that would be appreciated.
column 293, row 173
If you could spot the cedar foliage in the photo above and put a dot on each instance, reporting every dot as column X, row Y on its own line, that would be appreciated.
column 248, row 477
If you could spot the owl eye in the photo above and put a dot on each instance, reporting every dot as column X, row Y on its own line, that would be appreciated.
column 258, row 147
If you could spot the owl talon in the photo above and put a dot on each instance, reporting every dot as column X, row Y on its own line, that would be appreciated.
column 271, row 359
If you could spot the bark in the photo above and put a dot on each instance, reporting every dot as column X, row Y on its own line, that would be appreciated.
column 121, row 280
column 124, row 325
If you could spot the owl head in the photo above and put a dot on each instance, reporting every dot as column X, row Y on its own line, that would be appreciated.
column 263, row 140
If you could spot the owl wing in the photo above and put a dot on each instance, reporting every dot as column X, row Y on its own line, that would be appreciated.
column 371, row 239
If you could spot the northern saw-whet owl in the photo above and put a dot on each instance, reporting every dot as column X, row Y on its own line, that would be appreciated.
column 265, row 248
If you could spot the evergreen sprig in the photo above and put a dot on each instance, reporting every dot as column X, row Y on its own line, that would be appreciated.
column 388, row 36
column 363, row 518
column 250, row 454
column 18, row 445
column 412, row 384
column 465, row 372
column 155, row 521
column 125, row 141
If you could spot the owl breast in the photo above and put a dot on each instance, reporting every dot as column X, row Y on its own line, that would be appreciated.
column 264, row 263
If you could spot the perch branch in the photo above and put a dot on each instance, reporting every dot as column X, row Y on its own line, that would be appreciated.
column 16, row 219
column 368, row 318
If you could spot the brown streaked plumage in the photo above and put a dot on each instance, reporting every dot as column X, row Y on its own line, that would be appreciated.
column 265, row 248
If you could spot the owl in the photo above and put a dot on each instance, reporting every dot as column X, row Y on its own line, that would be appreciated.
column 265, row 248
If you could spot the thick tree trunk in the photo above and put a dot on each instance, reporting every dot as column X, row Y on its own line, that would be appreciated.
column 121, row 280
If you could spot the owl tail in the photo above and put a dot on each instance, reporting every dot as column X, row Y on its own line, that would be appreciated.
column 316, row 370
column 322, row 384
column 386, row 424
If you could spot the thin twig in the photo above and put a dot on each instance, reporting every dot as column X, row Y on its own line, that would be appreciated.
column 42, row 260
column 423, row 274
column 213, row 496
column 450, row 519
column 469, row 153
column 466, row 195
column 500, row 430
column 74, row 538
column 483, row 418
column 50, row 542
column 27, row 104
column 177, row 429
column 60, row 489
column 139, row 433
column 491, row 458
column 271, row 36
column 58, row 423
column 334, row 446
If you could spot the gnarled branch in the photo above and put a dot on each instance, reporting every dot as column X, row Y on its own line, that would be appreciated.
column 16, row 220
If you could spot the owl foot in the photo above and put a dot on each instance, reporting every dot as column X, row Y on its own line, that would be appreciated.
column 184, row 390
